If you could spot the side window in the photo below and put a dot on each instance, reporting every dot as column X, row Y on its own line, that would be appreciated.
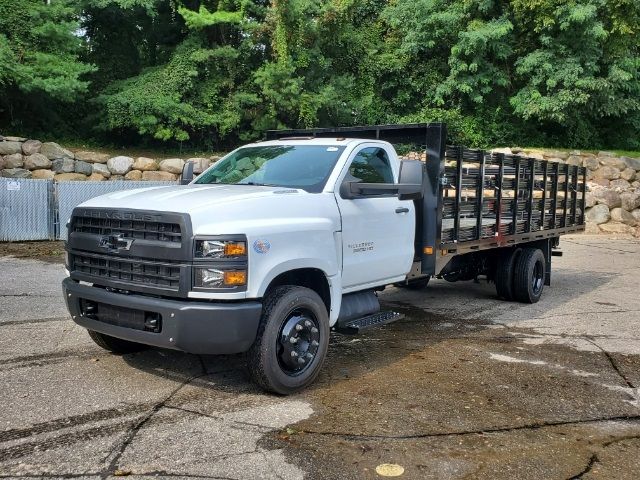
column 372, row 165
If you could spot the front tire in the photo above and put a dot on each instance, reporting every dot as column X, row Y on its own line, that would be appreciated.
column 529, row 275
column 115, row 345
column 292, row 340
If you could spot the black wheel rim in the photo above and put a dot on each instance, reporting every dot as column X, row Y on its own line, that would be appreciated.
column 298, row 341
column 537, row 279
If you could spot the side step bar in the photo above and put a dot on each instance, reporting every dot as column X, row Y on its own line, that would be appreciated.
column 355, row 326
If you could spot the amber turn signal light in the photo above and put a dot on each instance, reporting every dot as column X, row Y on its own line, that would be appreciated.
column 235, row 249
column 235, row 277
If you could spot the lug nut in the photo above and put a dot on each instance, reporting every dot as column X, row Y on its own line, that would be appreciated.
column 294, row 354
column 315, row 343
column 309, row 355
column 293, row 340
column 314, row 330
column 299, row 327
column 301, row 361
column 307, row 324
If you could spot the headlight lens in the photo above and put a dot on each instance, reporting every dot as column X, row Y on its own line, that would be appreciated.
column 220, row 249
column 206, row 277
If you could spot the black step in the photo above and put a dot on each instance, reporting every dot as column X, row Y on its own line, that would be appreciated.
column 357, row 325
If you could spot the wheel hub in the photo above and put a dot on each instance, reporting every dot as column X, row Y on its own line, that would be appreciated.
column 299, row 342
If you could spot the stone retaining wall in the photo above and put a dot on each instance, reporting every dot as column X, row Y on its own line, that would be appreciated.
column 613, row 199
column 23, row 158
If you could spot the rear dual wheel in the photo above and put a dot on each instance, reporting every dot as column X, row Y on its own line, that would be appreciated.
column 520, row 275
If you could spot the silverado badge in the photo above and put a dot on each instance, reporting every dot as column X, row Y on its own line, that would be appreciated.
column 116, row 242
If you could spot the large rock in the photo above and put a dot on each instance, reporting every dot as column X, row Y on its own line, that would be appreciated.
column 36, row 161
column 96, row 177
column 591, row 163
column 605, row 196
column 145, row 164
column 622, row 216
column 31, row 146
column 83, row 167
column 574, row 160
column 159, row 176
column 15, row 139
column 598, row 214
column 63, row 165
column 505, row 150
column 589, row 200
column 614, row 162
column 92, row 157
column 559, row 154
column 607, row 172
column 628, row 174
column 2, row 162
column 619, row 228
column 54, row 151
column 14, row 160
column 100, row 169
column 66, row 177
column 199, row 164
column 119, row 165
column 636, row 215
column 620, row 185
column 133, row 175
column 9, row 148
column 630, row 201
column 16, row 173
column 632, row 162
column 117, row 178
column 43, row 174
column 172, row 165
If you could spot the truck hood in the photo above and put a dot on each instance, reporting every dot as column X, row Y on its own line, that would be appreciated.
column 186, row 199
column 232, row 209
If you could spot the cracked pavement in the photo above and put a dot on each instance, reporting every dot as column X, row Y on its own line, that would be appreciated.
column 466, row 386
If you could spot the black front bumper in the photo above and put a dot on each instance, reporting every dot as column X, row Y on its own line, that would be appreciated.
column 190, row 326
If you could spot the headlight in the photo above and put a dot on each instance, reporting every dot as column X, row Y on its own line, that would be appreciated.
column 220, row 249
column 206, row 277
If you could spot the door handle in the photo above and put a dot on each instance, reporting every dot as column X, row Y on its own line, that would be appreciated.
column 402, row 210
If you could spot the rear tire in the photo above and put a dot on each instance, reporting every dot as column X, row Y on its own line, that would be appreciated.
column 292, row 340
column 115, row 345
column 417, row 284
column 529, row 275
column 504, row 273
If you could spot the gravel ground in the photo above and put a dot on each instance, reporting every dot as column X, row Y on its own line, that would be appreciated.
column 466, row 386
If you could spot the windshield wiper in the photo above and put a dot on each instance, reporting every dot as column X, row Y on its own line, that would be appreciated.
column 256, row 184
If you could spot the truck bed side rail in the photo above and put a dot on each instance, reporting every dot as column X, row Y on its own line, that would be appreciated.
column 492, row 200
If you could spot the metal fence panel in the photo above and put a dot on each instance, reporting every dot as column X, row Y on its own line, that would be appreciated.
column 72, row 194
column 25, row 209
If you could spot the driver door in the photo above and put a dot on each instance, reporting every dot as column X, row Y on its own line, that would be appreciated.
column 377, row 230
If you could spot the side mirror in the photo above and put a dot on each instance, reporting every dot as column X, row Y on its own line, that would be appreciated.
column 187, row 174
column 411, row 180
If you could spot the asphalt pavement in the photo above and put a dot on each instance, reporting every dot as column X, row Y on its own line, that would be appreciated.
column 466, row 386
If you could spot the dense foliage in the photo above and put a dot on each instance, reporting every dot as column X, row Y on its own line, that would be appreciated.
column 214, row 72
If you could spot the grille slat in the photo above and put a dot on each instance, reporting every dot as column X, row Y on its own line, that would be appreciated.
column 132, row 271
column 138, row 229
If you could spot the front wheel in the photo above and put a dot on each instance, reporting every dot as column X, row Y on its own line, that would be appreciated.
column 292, row 340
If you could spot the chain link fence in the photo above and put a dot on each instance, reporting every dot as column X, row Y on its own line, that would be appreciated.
column 39, row 209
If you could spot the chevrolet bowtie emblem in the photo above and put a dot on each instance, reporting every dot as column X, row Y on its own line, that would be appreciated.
column 116, row 242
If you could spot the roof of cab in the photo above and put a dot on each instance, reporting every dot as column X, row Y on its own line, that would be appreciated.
column 329, row 142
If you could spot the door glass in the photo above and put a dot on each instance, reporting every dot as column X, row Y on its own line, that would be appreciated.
column 372, row 165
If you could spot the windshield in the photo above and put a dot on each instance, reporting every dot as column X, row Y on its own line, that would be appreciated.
column 297, row 166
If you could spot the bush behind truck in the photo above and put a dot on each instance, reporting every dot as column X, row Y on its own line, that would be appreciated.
column 282, row 241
